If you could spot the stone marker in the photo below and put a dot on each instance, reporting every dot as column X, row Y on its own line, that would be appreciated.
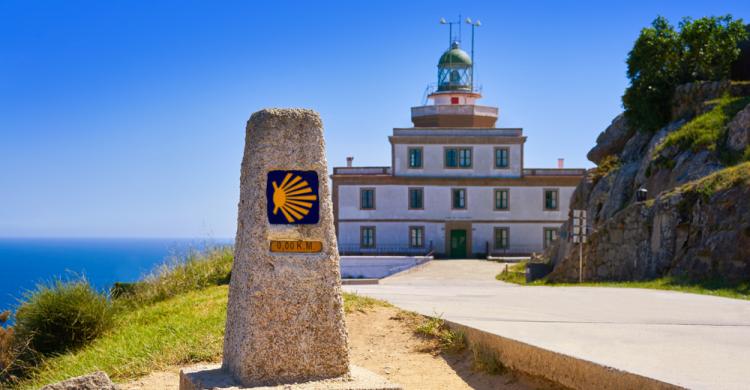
column 285, row 317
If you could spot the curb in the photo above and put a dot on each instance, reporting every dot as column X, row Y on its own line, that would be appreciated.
column 565, row 370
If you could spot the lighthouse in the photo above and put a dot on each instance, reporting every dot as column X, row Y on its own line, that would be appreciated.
column 454, row 99
column 456, row 185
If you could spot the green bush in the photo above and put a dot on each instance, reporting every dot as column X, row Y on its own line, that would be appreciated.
column 62, row 315
column 176, row 276
column 662, row 58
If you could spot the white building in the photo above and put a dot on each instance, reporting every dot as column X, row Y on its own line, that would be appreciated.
column 456, row 186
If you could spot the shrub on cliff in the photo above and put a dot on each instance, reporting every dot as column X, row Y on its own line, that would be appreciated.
column 662, row 58
column 706, row 131
column 8, row 351
column 62, row 315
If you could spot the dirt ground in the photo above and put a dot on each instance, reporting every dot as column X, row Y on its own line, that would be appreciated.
column 383, row 342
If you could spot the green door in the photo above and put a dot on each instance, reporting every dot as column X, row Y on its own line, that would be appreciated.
column 458, row 244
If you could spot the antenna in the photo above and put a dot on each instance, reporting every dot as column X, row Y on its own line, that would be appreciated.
column 458, row 21
column 477, row 23
column 450, row 29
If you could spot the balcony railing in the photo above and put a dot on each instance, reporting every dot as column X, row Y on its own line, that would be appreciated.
column 392, row 250
column 448, row 132
column 362, row 171
column 553, row 172
column 454, row 109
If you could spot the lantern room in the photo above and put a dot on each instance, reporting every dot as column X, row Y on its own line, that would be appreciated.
column 454, row 70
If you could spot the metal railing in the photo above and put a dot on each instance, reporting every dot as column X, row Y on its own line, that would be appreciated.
column 362, row 171
column 388, row 250
column 553, row 172
column 448, row 132
column 456, row 109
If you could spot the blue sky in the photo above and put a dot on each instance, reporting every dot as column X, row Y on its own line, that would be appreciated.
column 126, row 119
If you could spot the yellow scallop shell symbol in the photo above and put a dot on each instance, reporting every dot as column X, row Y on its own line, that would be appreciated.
column 292, row 197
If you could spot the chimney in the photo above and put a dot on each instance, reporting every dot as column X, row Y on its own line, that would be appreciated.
column 560, row 163
column 349, row 161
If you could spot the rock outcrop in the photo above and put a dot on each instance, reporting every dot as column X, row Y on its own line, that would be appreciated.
column 696, row 222
column 95, row 381
column 612, row 140
column 698, row 231
column 738, row 131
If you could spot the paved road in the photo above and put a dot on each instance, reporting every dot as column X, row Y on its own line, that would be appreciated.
column 695, row 341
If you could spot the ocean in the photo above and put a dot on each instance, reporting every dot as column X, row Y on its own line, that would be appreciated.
column 25, row 262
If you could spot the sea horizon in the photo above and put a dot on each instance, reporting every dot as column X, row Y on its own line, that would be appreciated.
column 29, row 261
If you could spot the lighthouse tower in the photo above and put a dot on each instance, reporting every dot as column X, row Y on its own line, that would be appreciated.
column 454, row 101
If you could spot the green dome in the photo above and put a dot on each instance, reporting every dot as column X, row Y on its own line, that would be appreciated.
column 454, row 58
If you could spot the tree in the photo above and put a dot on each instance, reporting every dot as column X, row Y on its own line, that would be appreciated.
column 653, row 70
column 709, row 46
column 662, row 58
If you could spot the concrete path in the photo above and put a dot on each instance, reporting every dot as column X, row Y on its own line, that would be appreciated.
column 694, row 341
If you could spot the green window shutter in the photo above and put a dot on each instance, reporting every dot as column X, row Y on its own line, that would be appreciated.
column 451, row 160
column 501, row 158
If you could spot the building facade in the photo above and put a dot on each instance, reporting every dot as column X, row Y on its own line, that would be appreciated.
column 456, row 186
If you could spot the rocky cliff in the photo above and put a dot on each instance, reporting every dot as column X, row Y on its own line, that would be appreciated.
column 696, row 220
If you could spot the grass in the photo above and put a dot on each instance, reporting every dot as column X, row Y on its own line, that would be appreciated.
column 443, row 339
column 440, row 337
column 358, row 303
column 185, row 329
column 706, row 131
column 197, row 271
column 485, row 360
column 606, row 165
column 717, row 181
column 514, row 273
column 61, row 315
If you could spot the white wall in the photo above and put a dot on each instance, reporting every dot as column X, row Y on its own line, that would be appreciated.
column 523, row 237
column 391, row 201
column 526, row 218
column 391, row 234
column 483, row 161
column 377, row 266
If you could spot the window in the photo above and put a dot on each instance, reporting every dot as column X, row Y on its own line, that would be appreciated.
column 501, row 199
column 464, row 158
column 367, row 237
column 459, row 198
column 501, row 238
column 457, row 157
column 416, row 199
column 550, row 199
column 416, row 236
column 454, row 100
column 550, row 236
column 501, row 157
column 367, row 199
column 415, row 157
